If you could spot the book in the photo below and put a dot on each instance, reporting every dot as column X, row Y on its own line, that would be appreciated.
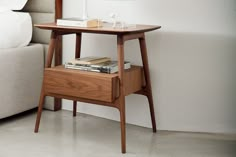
column 89, row 60
column 105, row 67
column 78, row 22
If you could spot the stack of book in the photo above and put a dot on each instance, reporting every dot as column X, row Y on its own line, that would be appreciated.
column 96, row 64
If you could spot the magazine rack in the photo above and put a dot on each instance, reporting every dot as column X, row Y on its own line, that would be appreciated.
column 98, row 88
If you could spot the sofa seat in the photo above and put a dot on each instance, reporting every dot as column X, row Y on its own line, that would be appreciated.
column 21, row 78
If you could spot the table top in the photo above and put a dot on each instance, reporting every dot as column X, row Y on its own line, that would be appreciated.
column 105, row 29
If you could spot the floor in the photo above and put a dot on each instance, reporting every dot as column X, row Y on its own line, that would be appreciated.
column 61, row 135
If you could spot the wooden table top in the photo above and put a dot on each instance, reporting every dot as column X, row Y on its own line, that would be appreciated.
column 105, row 29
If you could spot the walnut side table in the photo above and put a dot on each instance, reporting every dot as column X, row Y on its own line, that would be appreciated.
column 98, row 88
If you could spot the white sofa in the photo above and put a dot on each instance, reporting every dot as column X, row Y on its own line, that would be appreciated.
column 22, row 68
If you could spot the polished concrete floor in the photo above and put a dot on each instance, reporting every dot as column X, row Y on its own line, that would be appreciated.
column 61, row 135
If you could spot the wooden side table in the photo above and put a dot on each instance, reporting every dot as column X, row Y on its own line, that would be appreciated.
column 98, row 88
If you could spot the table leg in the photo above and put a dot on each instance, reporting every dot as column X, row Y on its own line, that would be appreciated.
column 40, row 108
column 77, row 55
column 78, row 45
column 143, row 49
column 51, row 49
column 48, row 64
column 58, row 61
column 120, row 56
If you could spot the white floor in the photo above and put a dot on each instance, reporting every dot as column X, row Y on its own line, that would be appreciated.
column 61, row 135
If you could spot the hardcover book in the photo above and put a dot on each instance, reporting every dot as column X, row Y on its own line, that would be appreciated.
column 78, row 22
column 88, row 60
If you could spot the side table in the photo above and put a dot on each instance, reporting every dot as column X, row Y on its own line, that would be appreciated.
column 98, row 88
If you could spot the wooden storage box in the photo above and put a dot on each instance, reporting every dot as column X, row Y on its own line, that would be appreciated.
column 90, row 85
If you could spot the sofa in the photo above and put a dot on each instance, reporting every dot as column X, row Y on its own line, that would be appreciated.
column 22, row 68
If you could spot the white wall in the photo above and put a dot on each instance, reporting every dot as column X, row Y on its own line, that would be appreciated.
column 192, row 61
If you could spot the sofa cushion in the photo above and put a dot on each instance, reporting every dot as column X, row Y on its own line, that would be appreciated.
column 21, row 78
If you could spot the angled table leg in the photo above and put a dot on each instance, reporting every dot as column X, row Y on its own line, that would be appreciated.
column 48, row 64
column 40, row 108
column 143, row 49
column 77, row 55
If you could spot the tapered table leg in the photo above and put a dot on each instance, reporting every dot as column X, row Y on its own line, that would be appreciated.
column 120, row 55
column 123, row 128
column 77, row 55
column 47, row 65
column 74, row 108
column 58, row 61
column 143, row 49
column 39, row 113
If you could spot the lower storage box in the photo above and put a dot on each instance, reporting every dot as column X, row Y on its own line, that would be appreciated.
column 91, row 85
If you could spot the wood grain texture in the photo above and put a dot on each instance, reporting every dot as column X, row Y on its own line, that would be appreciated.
column 79, row 85
column 99, row 30
column 91, row 85
column 133, row 80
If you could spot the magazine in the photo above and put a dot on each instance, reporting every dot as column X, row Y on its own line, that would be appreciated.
column 105, row 67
